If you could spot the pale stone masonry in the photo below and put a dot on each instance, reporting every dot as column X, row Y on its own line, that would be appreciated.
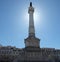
column 32, row 51
column 12, row 54
column 31, row 40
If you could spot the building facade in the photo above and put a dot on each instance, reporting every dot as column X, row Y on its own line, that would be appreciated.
column 32, row 51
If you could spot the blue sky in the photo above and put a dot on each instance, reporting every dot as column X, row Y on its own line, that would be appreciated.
column 14, row 25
